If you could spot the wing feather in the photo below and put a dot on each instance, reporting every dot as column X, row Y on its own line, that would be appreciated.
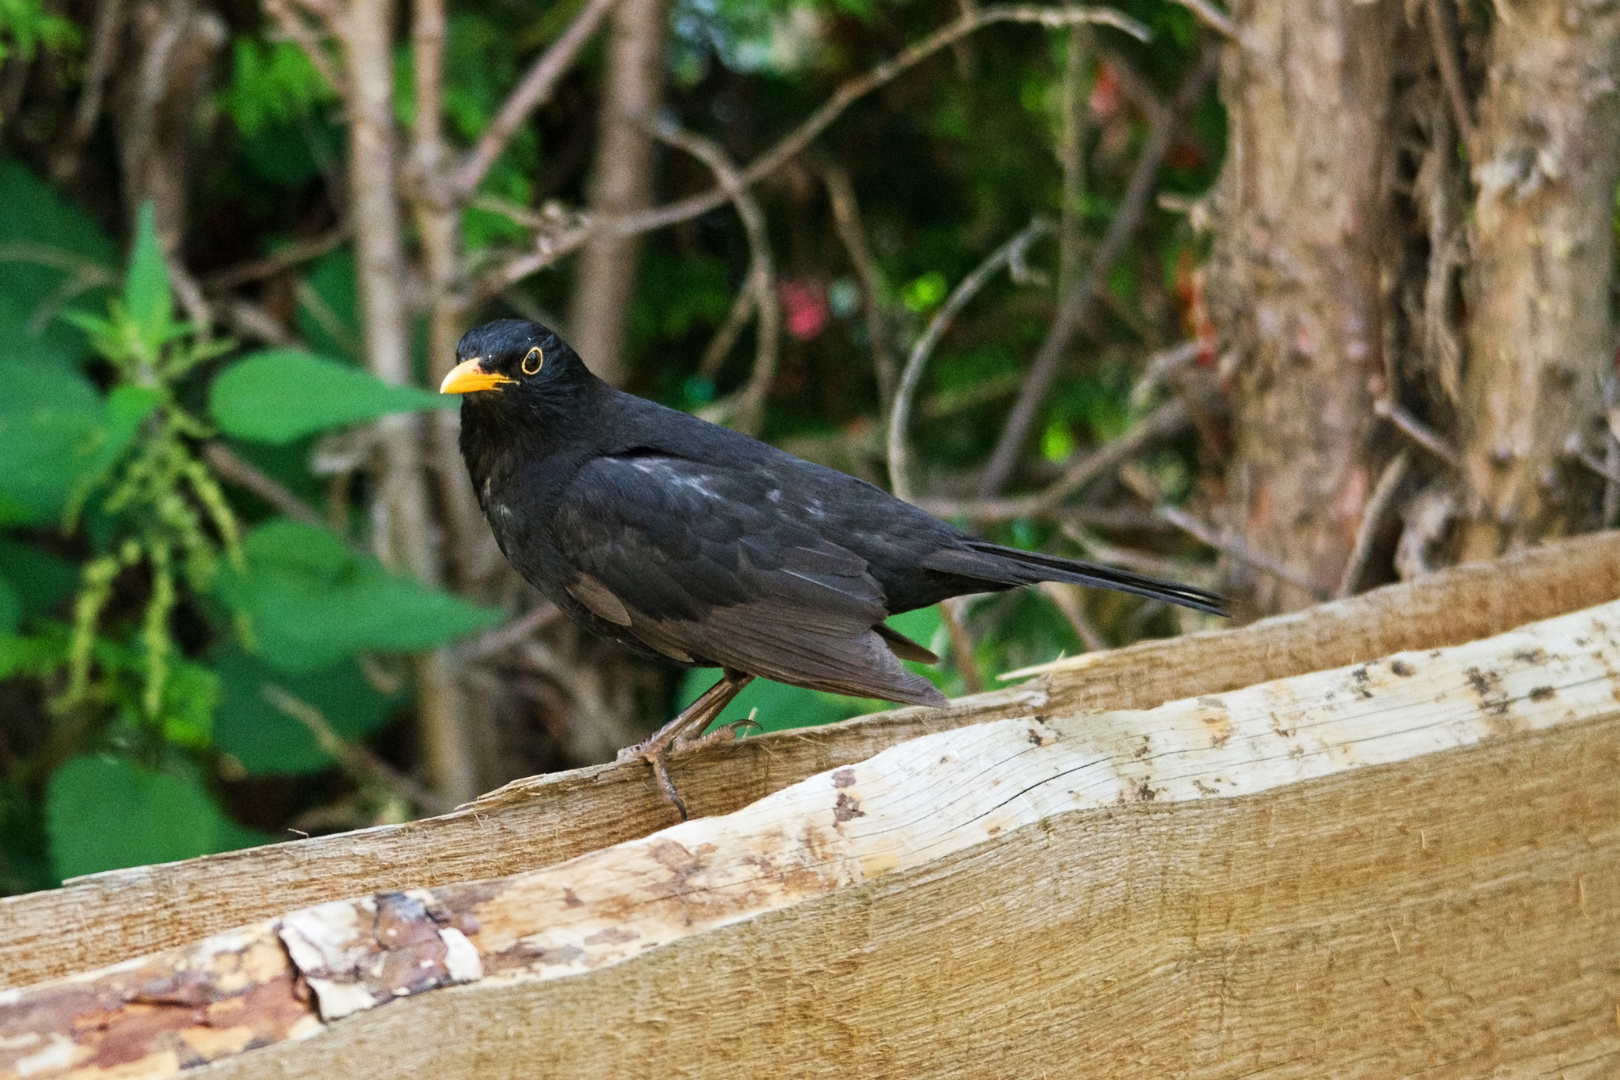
column 714, row 564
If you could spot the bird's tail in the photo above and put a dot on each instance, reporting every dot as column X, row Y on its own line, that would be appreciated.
column 1010, row 567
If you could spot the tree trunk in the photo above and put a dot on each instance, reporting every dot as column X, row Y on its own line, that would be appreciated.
column 621, row 182
column 407, row 536
column 1540, row 334
column 1300, row 253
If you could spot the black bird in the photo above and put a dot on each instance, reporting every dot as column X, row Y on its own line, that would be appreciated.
column 690, row 542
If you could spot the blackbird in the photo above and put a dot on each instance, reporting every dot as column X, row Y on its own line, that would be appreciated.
column 690, row 542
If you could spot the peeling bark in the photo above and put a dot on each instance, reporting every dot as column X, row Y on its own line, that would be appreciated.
column 1540, row 331
column 1301, row 251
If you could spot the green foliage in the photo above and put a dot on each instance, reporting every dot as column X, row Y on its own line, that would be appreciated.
column 50, row 255
column 272, row 84
column 25, row 27
column 307, row 602
column 169, row 508
column 104, row 813
column 279, row 396
column 49, row 419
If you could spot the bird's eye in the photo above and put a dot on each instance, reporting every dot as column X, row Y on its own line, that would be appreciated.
column 532, row 362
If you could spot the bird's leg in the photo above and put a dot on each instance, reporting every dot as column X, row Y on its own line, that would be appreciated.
column 687, row 726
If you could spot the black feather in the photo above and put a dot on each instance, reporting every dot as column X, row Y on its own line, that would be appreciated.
column 696, row 543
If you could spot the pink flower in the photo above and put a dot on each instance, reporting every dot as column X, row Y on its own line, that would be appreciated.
column 804, row 303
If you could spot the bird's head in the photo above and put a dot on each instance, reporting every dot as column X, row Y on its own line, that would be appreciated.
column 514, row 361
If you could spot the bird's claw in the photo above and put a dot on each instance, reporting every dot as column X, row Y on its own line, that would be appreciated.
column 723, row 733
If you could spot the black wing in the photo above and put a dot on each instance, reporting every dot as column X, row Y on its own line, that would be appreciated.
column 721, row 565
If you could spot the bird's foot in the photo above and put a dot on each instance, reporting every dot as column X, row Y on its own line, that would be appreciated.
column 725, row 733
column 654, row 752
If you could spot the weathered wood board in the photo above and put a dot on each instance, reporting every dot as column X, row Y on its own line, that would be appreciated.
column 1395, row 867
column 544, row 820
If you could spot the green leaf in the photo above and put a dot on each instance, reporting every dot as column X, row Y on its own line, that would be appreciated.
column 54, row 254
column 127, row 408
column 310, row 603
column 10, row 608
column 41, row 579
column 190, row 696
column 280, row 395
column 147, row 299
column 104, row 813
column 48, row 417
column 264, row 739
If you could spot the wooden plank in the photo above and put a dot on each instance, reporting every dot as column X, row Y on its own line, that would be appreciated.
column 1387, row 868
column 544, row 820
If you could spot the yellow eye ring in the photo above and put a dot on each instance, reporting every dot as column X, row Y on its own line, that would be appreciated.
column 532, row 362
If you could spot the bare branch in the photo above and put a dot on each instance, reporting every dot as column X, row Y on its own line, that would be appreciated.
column 299, row 32
column 258, row 269
column 900, row 416
column 1212, row 17
column 534, row 91
column 512, row 633
column 748, row 404
column 551, row 248
column 1071, row 155
column 847, row 219
column 243, row 474
column 103, row 50
column 951, row 612
column 1067, row 600
column 1418, row 432
column 1443, row 36
column 355, row 759
column 1236, row 548
column 1389, row 482
column 1169, row 419
column 1076, row 307
column 742, row 309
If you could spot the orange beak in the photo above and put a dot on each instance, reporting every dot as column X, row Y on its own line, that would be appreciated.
column 469, row 375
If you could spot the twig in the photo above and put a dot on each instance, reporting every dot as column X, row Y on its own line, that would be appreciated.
column 504, row 637
column 1591, row 461
column 1160, row 366
column 1389, row 482
column 847, row 220
column 103, row 48
column 1063, row 596
column 1168, row 419
column 749, row 403
column 900, row 416
column 950, row 613
column 535, row 89
column 355, row 759
column 992, row 511
column 229, row 466
column 1237, row 549
column 289, row 256
column 1076, row 307
column 720, row 346
column 1212, row 17
column 299, row 32
column 1417, row 432
column 1445, row 54
column 1128, row 558
column 550, row 249
column 1071, row 155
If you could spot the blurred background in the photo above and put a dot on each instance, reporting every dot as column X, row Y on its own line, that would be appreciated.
column 1286, row 300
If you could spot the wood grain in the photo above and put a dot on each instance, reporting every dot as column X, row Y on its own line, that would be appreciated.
column 543, row 820
column 1390, row 867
